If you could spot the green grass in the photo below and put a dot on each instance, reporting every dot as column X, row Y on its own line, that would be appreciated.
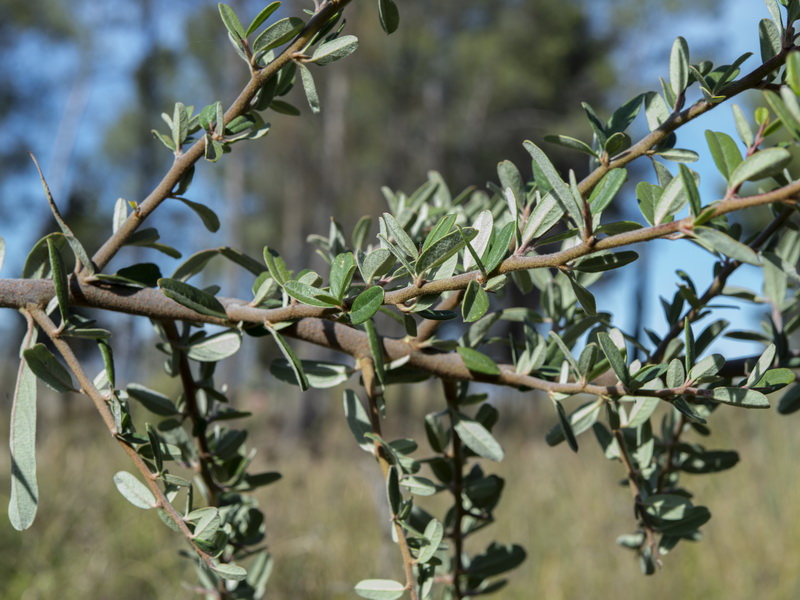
column 327, row 524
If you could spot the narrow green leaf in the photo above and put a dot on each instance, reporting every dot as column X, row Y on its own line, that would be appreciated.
column 793, row 71
column 215, row 347
column 764, row 163
column 393, row 493
column 342, row 270
column 334, row 50
column 499, row 247
column 47, row 368
column 769, row 38
column 357, row 420
column 726, row 245
column 679, row 66
column 59, row 279
column 742, row 126
column 605, row 262
column 605, row 191
column 308, row 294
column 475, row 303
column 380, row 589
column 478, row 361
column 689, row 184
column 433, row 535
column 614, row 356
column 77, row 248
column 445, row 247
column 153, row 401
column 399, row 236
column 376, row 349
column 309, row 87
column 740, row 397
column 134, row 491
column 544, row 215
column 277, row 34
column 231, row 21
column 366, row 304
column 477, row 438
column 648, row 196
column 208, row 216
column 584, row 296
column 24, row 499
column 261, row 17
column 707, row 367
column 229, row 571
column 561, row 191
column 483, row 225
column 724, row 151
column 571, row 143
column 291, row 358
column 276, row 266
column 671, row 201
column 192, row 298
column 762, row 365
column 566, row 427
column 389, row 17
column 320, row 374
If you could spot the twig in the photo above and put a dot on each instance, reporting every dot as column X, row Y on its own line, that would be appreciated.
column 456, row 489
column 187, row 159
column 371, row 386
column 99, row 400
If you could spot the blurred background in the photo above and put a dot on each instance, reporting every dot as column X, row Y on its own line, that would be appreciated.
column 456, row 89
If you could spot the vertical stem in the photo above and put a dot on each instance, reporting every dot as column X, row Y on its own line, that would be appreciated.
column 198, row 420
column 367, row 367
column 451, row 395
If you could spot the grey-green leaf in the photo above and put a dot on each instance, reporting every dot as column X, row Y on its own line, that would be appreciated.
column 191, row 297
column 335, row 49
column 478, row 361
column 380, row 589
column 389, row 15
column 440, row 251
column 156, row 402
column 740, row 397
column 478, row 439
column 291, row 358
column 614, row 356
column 47, row 368
column 475, row 303
column 215, row 347
column 278, row 33
column 764, row 163
column 134, row 491
column 726, row 245
column 309, row 88
column 24, row 498
column 366, row 304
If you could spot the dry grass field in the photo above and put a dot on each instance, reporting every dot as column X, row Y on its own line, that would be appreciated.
column 327, row 529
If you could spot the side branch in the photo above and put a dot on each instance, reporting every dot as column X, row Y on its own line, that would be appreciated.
column 186, row 160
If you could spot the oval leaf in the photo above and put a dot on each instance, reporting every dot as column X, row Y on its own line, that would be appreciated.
column 366, row 304
column 380, row 589
column 47, row 368
column 134, row 491
column 192, row 298
column 760, row 165
column 215, row 347
column 478, row 439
